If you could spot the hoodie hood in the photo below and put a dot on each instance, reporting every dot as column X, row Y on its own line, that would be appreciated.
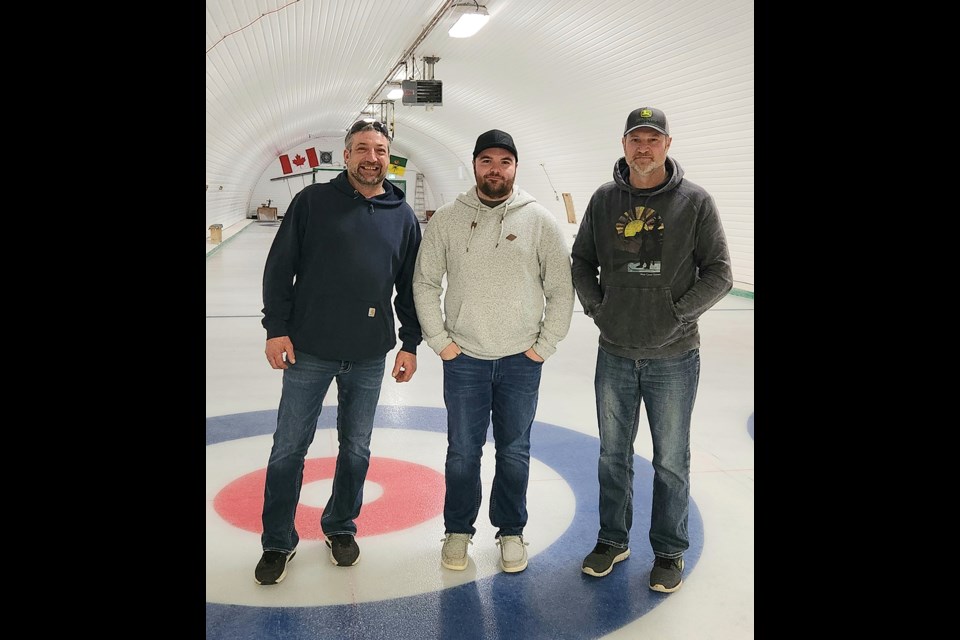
column 470, row 199
column 392, row 196
column 621, row 176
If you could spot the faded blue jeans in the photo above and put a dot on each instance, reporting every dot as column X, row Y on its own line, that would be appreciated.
column 668, row 389
column 305, row 384
column 475, row 390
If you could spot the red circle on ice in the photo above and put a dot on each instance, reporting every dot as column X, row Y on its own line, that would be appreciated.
column 412, row 494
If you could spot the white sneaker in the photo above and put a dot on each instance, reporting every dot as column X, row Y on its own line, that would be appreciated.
column 454, row 552
column 513, row 553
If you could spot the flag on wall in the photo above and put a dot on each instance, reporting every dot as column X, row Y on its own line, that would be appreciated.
column 398, row 165
column 286, row 164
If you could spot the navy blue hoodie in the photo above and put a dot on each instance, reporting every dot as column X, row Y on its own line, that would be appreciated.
column 332, row 269
column 662, row 260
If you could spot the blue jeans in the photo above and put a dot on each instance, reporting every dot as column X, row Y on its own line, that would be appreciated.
column 668, row 388
column 304, row 386
column 474, row 390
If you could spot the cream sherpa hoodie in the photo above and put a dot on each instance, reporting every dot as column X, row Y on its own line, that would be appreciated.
column 508, row 285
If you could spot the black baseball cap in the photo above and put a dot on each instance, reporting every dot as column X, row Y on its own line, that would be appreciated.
column 647, row 117
column 495, row 138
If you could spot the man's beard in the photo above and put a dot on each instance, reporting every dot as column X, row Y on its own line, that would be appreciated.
column 492, row 192
column 369, row 182
column 644, row 170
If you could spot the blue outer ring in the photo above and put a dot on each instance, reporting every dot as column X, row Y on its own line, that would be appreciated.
column 551, row 600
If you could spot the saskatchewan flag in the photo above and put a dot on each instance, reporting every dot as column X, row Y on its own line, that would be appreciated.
column 398, row 165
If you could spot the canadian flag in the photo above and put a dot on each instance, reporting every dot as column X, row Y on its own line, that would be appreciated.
column 286, row 164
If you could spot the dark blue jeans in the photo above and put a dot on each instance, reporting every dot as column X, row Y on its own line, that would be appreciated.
column 668, row 389
column 304, row 386
column 475, row 390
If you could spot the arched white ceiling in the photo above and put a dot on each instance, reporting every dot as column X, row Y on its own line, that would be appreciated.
column 559, row 75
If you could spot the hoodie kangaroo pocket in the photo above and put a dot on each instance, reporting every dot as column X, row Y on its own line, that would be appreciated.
column 489, row 322
column 637, row 318
column 349, row 320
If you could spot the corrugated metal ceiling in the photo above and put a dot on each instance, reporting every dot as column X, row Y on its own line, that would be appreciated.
column 559, row 75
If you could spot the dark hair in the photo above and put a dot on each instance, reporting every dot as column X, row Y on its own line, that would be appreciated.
column 366, row 125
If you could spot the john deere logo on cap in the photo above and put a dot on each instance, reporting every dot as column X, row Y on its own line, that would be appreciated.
column 646, row 113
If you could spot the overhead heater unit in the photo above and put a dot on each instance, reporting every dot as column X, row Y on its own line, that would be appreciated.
column 423, row 92
column 427, row 92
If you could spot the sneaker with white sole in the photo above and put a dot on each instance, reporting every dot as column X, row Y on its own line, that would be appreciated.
column 600, row 561
column 513, row 553
column 666, row 575
column 272, row 567
column 454, row 552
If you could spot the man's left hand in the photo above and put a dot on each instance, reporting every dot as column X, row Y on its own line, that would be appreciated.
column 404, row 367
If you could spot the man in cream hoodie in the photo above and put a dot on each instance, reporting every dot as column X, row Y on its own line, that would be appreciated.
column 508, row 302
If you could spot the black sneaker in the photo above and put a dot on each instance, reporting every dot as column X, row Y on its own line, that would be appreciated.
column 601, row 560
column 272, row 567
column 666, row 573
column 344, row 551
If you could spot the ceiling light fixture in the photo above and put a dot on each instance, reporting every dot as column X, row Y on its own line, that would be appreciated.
column 395, row 94
column 472, row 19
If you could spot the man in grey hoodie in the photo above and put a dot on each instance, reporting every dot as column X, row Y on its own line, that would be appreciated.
column 656, row 241
column 508, row 302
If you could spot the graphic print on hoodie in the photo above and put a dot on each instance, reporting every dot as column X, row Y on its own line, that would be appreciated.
column 641, row 232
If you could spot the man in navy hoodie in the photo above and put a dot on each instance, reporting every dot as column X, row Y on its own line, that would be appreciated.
column 655, row 240
column 341, row 250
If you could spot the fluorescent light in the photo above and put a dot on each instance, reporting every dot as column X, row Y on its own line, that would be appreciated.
column 471, row 21
column 395, row 94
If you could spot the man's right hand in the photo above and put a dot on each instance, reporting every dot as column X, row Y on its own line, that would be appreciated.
column 276, row 347
column 450, row 351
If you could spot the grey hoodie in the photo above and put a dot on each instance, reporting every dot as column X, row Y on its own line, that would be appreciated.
column 508, row 278
column 662, row 260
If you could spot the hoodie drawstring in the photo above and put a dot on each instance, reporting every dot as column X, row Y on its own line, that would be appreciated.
column 473, row 225
column 476, row 218
column 502, row 216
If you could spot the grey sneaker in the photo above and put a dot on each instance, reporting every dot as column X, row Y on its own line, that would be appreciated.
column 454, row 552
column 600, row 561
column 513, row 553
column 272, row 567
column 666, row 574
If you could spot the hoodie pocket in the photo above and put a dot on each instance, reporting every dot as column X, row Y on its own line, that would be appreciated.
column 637, row 318
column 490, row 323
column 348, row 321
